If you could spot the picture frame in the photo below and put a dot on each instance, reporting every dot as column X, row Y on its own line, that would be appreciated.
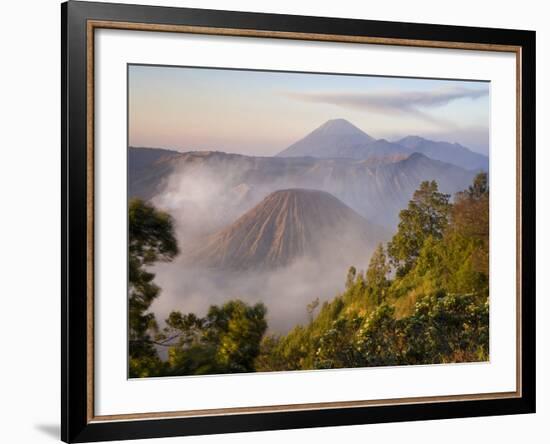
column 80, row 21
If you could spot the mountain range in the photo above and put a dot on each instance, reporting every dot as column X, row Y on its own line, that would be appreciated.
column 339, row 138
column 446, row 152
column 337, row 190
column 377, row 192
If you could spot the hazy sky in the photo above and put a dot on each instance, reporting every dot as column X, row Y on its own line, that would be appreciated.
column 262, row 113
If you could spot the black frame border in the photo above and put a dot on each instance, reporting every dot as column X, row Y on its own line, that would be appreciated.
column 75, row 425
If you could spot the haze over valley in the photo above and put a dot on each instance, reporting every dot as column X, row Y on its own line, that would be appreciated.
column 284, row 229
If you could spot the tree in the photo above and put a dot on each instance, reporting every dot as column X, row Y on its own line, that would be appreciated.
column 377, row 280
column 270, row 357
column 435, row 309
column 350, row 278
column 480, row 186
column 226, row 340
column 310, row 308
column 425, row 216
column 240, row 331
column 151, row 239
column 470, row 218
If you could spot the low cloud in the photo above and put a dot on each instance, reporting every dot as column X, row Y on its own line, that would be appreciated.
column 202, row 198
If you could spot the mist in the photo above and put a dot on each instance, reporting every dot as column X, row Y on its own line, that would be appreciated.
column 202, row 201
column 284, row 291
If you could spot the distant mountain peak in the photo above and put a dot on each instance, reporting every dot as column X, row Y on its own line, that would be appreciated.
column 411, row 141
column 339, row 126
column 416, row 156
column 334, row 138
column 414, row 137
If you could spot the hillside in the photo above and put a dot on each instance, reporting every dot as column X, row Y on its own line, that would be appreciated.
column 147, row 168
column 435, row 311
column 376, row 191
column 423, row 302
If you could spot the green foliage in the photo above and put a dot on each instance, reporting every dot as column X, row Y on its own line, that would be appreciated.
column 350, row 279
column 311, row 307
column 151, row 233
column 447, row 328
column 439, row 290
column 470, row 218
column 336, row 347
column 270, row 358
column 151, row 239
column 380, row 338
column 377, row 275
column 425, row 216
column 226, row 340
column 480, row 186
column 423, row 300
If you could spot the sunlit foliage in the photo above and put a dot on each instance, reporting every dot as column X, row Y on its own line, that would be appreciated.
column 434, row 310
column 423, row 299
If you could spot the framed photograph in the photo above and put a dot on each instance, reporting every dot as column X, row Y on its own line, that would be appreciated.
column 275, row 221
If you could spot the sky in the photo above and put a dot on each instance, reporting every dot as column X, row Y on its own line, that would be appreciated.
column 263, row 112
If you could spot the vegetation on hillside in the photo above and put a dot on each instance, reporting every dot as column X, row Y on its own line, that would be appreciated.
column 423, row 299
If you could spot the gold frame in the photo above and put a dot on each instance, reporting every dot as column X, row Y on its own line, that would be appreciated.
column 92, row 25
